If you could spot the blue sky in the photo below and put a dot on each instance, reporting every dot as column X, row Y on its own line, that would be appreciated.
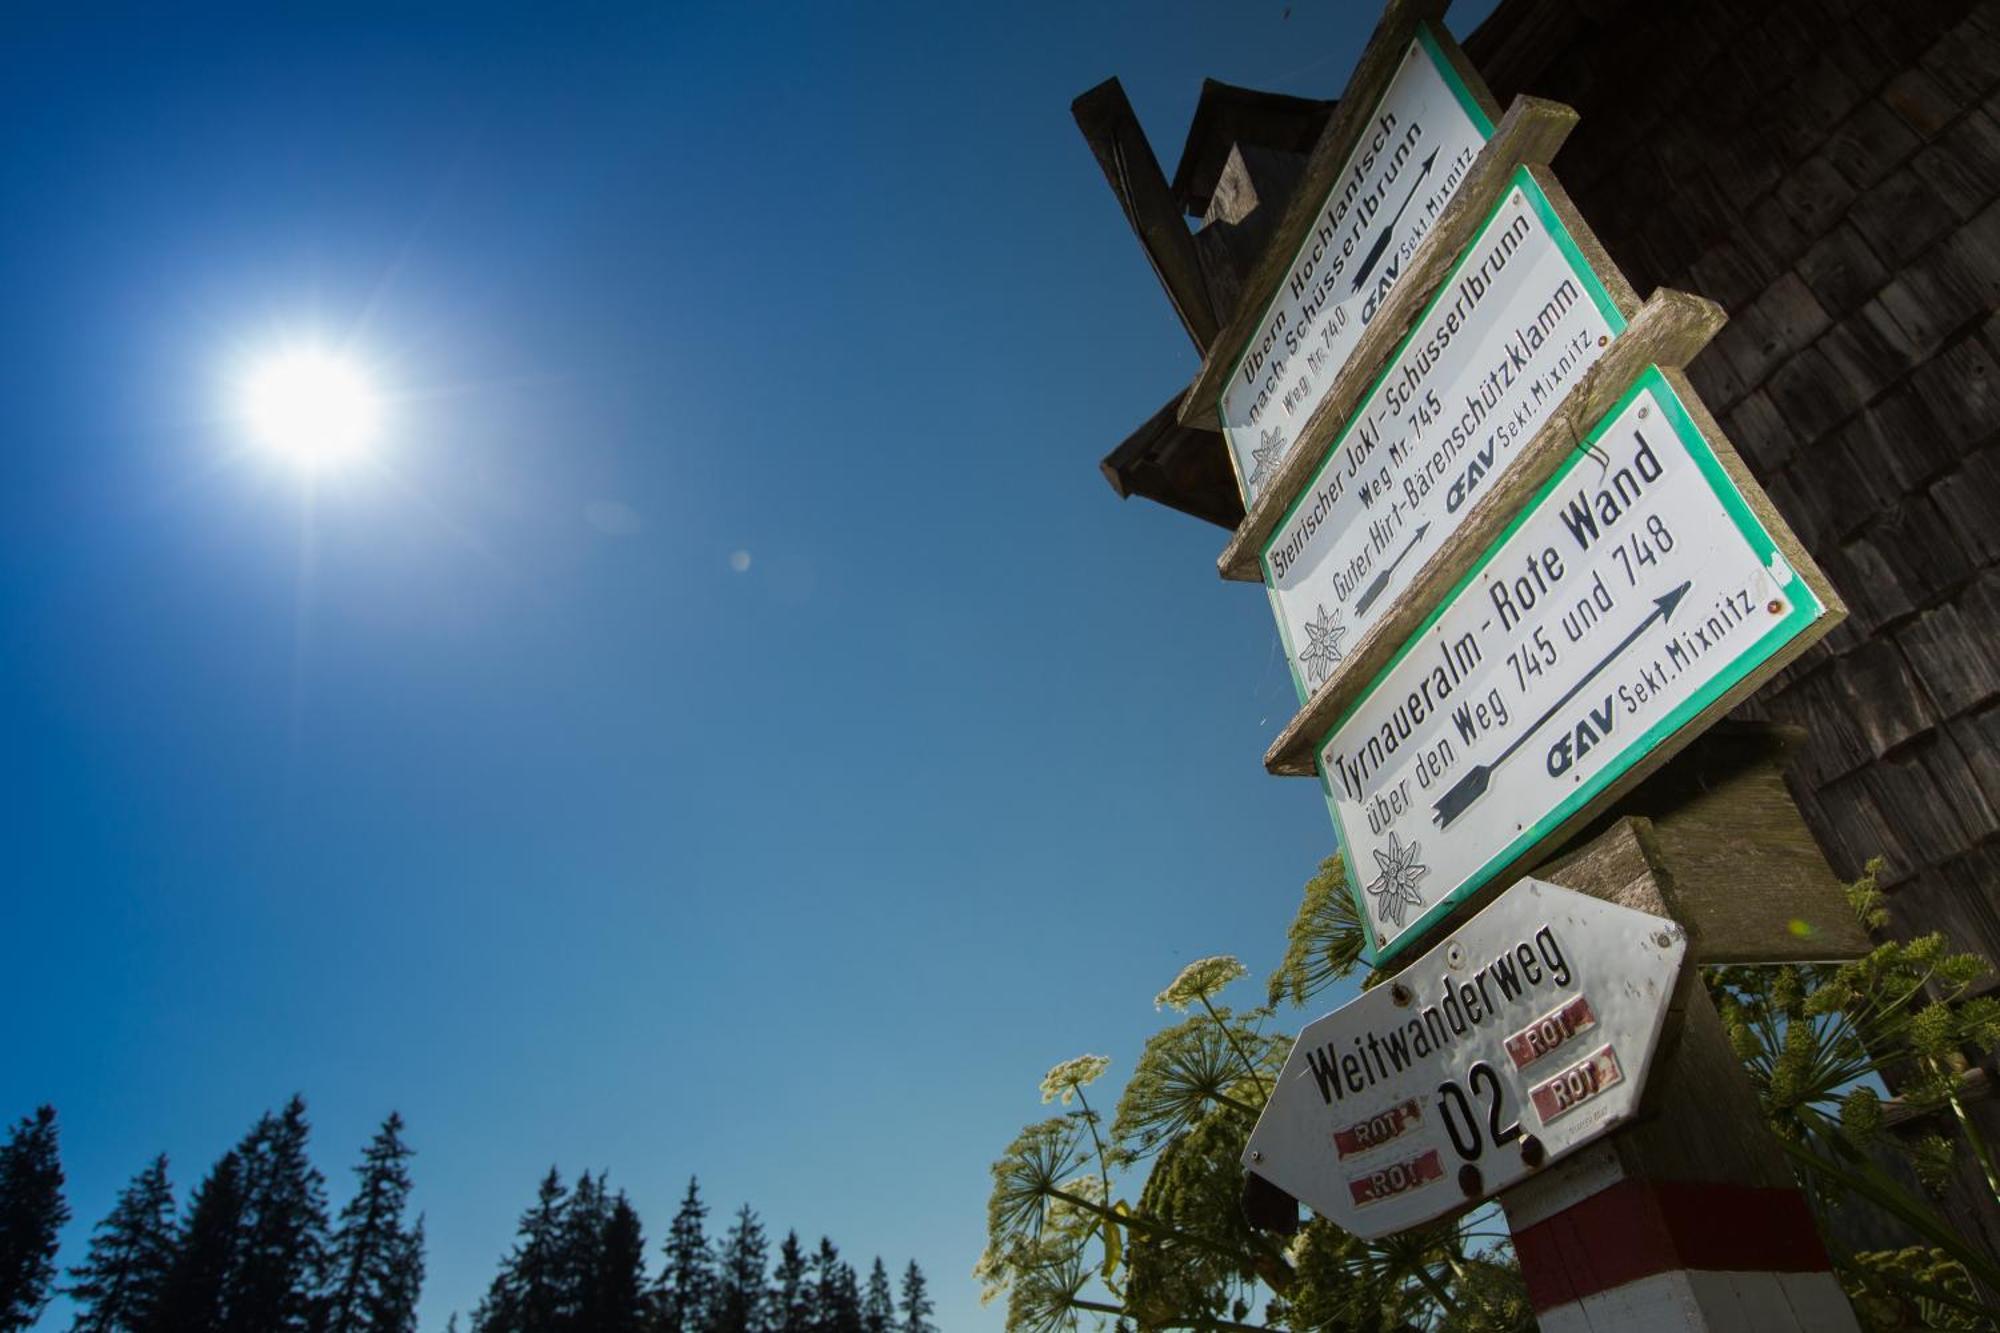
column 732, row 730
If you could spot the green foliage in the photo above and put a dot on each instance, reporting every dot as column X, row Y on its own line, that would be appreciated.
column 1813, row 1039
column 1325, row 939
column 1193, row 1190
column 1025, row 1179
column 1428, row 1278
column 1046, row 1296
column 1189, row 1068
column 1915, row 1288
column 1066, row 1252
column 1810, row 1034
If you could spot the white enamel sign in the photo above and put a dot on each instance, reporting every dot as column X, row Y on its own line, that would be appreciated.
column 1523, row 1037
column 1510, row 331
column 1634, row 590
column 1409, row 161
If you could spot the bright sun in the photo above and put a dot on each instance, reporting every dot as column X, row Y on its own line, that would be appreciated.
column 313, row 408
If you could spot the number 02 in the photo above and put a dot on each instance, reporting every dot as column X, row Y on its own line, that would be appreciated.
column 1460, row 1122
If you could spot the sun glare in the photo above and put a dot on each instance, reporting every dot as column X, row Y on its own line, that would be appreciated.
column 315, row 409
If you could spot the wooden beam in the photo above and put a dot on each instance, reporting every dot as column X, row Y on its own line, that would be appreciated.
column 1713, row 840
column 1667, row 331
column 1177, row 466
column 1112, row 130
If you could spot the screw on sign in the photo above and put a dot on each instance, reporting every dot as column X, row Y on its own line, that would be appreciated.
column 1523, row 1037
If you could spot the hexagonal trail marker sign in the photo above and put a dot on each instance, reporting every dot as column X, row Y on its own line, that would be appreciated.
column 1521, row 1037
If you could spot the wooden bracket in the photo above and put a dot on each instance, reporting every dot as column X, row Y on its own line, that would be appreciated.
column 1112, row 130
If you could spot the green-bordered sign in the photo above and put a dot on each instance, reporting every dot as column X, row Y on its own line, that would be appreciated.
column 1410, row 158
column 1636, row 590
column 1514, row 326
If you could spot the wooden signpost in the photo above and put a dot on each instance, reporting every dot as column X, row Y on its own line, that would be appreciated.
column 1517, row 569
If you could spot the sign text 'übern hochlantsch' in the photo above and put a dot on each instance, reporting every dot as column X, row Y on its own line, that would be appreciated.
column 1513, row 327
column 1423, row 137
column 1636, row 588
column 1526, row 1035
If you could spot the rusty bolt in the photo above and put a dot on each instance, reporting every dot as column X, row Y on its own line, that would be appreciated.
column 1533, row 1154
column 1470, row 1183
column 1400, row 994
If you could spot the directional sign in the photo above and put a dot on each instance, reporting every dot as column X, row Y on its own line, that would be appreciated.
column 1412, row 155
column 1514, row 327
column 1523, row 1037
column 1635, row 591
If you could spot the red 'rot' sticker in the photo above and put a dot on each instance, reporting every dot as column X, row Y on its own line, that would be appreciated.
column 1386, row 1182
column 1563, row 1092
column 1378, row 1129
column 1550, row 1032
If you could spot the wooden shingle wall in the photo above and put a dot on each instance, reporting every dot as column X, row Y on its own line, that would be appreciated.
column 1829, row 170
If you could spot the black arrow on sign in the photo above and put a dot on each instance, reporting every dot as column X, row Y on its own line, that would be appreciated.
column 1374, row 255
column 1473, row 785
column 1382, row 579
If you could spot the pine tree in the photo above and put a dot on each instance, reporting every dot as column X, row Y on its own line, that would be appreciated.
column 917, row 1305
column 524, row 1295
column 281, row 1272
column 791, row 1296
column 406, row 1277
column 687, row 1277
column 377, row 1260
column 119, row 1287
column 579, row 1253
column 836, row 1296
column 740, row 1298
column 206, row 1252
column 32, row 1212
column 878, row 1307
column 618, row 1300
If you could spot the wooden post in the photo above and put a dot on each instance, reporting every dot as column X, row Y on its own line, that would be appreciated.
column 1689, row 1219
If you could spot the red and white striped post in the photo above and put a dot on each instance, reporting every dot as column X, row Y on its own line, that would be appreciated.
column 1689, row 1219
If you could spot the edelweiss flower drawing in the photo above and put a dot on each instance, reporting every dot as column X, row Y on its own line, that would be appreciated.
column 1265, row 457
column 1395, row 889
column 1322, row 648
